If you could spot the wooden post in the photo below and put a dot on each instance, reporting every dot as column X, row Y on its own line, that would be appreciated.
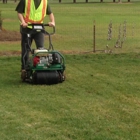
column 74, row 1
column 94, row 37
column 86, row 1
column 101, row 0
column 59, row 1
column 128, row 0
column 0, row 21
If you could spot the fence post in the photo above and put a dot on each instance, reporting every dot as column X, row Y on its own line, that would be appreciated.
column 94, row 37
column 0, row 21
column 59, row 1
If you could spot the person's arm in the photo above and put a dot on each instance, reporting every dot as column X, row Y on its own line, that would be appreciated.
column 22, row 21
column 20, row 10
column 52, row 20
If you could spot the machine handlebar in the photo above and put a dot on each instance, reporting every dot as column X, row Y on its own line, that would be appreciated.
column 41, row 27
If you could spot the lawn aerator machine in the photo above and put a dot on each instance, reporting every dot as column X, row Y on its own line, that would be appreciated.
column 44, row 66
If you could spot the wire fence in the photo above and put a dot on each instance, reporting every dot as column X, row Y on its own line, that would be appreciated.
column 68, row 1
column 90, row 1
column 111, row 38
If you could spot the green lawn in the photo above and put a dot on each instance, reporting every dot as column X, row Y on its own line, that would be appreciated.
column 100, row 98
column 74, row 25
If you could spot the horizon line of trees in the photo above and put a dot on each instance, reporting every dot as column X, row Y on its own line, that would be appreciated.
column 74, row 1
column 5, row 1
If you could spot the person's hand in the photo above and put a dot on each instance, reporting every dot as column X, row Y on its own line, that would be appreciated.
column 24, row 24
column 51, row 24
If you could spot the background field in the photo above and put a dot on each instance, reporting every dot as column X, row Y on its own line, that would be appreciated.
column 74, row 25
column 100, row 98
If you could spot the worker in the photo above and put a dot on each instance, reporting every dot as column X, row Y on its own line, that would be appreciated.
column 32, row 12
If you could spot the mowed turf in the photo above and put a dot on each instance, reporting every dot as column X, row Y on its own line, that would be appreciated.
column 100, row 98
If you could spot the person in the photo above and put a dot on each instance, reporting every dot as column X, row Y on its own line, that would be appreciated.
column 32, row 12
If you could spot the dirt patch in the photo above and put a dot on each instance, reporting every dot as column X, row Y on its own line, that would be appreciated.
column 18, row 53
column 10, row 53
column 9, row 35
column 75, row 52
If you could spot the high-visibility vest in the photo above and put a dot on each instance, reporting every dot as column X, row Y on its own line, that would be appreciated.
column 33, row 15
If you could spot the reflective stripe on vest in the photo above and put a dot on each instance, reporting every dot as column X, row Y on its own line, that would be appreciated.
column 33, row 15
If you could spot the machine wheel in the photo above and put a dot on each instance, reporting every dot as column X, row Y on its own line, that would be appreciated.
column 46, row 77
column 62, row 76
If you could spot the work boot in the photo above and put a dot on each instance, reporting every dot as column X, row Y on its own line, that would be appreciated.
column 23, row 75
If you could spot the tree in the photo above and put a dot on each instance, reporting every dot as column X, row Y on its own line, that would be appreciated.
column 4, row 1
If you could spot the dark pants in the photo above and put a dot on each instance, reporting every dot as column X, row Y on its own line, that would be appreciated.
column 27, row 36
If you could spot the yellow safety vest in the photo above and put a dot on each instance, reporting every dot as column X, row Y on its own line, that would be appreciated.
column 33, row 15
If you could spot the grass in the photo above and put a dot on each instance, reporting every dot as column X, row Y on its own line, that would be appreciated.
column 97, row 101
column 74, row 25
column 100, row 98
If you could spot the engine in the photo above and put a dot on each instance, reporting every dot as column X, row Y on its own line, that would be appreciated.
column 48, row 60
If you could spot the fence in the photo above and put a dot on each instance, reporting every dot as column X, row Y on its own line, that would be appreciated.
column 74, row 1
column 110, row 33
column 110, row 38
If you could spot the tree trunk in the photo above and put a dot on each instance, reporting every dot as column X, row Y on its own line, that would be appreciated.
column 4, row 1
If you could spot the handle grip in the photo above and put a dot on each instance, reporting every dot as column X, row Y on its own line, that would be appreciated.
column 41, row 27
